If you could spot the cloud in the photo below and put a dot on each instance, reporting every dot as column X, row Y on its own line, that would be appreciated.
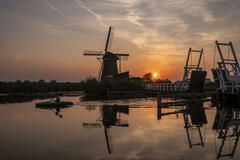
column 56, row 9
column 136, row 26
column 160, row 31
column 99, row 18
column 192, row 8
column 134, row 17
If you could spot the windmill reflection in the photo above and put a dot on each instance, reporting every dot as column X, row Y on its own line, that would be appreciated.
column 226, row 124
column 110, row 116
column 193, row 115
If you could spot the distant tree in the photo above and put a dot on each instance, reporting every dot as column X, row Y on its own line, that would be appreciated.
column 41, row 81
column 26, row 82
column 27, row 86
column 18, row 81
column 53, row 86
column 147, row 77
column 91, row 84
column 53, row 82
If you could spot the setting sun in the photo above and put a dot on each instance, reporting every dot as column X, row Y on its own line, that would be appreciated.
column 155, row 75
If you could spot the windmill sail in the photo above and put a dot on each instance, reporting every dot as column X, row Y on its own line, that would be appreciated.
column 92, row 53
column 120, row 54
column 108, row 37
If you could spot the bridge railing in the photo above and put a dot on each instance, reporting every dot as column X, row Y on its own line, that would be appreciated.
column 177, row 87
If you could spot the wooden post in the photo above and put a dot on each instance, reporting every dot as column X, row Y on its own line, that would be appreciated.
column 159, row 108
column 159, row 99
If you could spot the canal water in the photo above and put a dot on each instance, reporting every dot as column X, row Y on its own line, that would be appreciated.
column 122, row 129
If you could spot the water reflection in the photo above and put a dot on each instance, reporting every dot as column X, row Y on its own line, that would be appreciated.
column 55, row 109
column 90, row 108
column 198, row 119
column 21, row 98
column 226, row 124
column 193, row 109
column 183, row 129
column 110, row 116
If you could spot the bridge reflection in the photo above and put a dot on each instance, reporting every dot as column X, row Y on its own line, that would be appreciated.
column 226, row 125
column 193, row 115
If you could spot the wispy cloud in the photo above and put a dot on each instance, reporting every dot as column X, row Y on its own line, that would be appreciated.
column 56, row 9
column 192, row 8
column 99, row 18
column 155, row 26
column 134, row 17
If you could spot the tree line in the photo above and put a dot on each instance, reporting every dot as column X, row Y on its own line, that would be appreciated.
column 90, row 85
column 43, row 86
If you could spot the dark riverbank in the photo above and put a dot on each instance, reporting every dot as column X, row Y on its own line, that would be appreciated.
column 88, row 90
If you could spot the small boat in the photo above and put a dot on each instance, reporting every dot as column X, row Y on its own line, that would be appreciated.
column 53, row 104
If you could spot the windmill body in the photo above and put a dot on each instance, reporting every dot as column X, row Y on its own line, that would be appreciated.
column 109, row 67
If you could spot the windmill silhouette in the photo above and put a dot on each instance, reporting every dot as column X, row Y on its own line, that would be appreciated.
column 110, row 116
column 109, row 69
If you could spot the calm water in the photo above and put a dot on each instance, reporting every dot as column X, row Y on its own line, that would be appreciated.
column 127, row 129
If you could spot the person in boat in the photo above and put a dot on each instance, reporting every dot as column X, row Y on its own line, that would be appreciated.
column 57, row 112
column 57, row 99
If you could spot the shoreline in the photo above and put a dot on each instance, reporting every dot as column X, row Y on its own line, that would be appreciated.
column 70, row 93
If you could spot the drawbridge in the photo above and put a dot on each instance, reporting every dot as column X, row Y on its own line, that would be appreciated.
column 227, row 73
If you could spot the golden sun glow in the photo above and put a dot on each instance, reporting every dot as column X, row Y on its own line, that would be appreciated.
column 155, row 75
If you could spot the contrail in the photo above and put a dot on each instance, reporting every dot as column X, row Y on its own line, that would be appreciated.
column 56, row 9
column 99, row 18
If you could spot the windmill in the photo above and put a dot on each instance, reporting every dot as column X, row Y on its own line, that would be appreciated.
column 109, row 68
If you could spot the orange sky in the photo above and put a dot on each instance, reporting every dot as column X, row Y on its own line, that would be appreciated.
column 46, row 39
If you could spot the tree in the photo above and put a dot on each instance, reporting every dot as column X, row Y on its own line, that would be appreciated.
column 42, row 81
column 147, row 77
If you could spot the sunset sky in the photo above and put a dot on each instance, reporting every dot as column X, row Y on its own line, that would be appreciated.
column 45, row 39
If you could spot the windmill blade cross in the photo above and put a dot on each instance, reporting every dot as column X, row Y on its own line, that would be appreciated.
column 92, row 53
column 109, row 39
column 120, row 54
